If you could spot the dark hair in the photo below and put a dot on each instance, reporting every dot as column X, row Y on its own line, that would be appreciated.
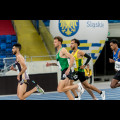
column 76, row 41
column 17, row 45
column 114, row 41
column 59, row 39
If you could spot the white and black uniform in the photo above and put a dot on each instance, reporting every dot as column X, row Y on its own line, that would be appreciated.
column 24, row 77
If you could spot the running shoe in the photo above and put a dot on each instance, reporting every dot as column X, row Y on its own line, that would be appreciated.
column 80, row 89
column 103, row 95
column 39, row 89
column 79, row 98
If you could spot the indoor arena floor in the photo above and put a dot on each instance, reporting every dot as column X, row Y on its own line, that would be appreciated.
column 111, row 94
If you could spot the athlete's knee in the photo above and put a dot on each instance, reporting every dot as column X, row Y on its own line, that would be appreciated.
column 59, row 90
column 66, row 92
column 112, row 85
column 20, row 97
column 88, row 86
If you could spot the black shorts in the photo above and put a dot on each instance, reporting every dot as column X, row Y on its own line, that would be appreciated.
column 79, row 76
column 117, row 76
column 30, row 83
column 63, row 76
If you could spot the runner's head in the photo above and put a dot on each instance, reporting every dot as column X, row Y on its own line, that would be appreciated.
column 113, row 44
column 57, row 41
column 16, row 48
column 74, row 44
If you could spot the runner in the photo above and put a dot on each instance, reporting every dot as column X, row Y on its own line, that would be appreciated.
column 116, row 60
column 79, row 68
column 23, row 77
column 66, row 74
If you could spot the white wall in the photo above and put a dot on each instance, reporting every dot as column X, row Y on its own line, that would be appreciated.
column 39, row 67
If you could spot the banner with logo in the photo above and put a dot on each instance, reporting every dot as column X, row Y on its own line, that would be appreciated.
column 92, row 34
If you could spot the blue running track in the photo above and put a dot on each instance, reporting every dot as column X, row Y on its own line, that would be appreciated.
column 111, row 94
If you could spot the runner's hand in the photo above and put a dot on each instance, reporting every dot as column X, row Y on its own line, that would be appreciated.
column 18, row 77
column 48, row 64
column 111, row 60
column 12, row 68
column 67, row 71
column 82, row 67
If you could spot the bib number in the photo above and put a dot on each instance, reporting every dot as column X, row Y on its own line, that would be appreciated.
column 117, row 66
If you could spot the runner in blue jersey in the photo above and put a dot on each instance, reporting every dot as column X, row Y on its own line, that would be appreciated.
column 116, row 59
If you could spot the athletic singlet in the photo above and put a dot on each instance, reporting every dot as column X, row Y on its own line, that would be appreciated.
column 62, row 62
column 78, row 62
column 115, row 57
column 24, row 76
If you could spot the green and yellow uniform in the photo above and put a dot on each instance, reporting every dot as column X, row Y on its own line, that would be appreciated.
column 78, row 62
column 63, row 65
column 62, row 62
column 79, row 73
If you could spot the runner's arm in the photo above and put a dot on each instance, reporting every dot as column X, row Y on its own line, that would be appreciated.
column 12, row 68
column 66, row 53
column 88, row 59
column 81, row 53
column 119, row 54
column 51, row 64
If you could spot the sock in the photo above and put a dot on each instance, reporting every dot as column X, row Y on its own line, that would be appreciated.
column 101, row 93
column 32, row 83
column 76, row 96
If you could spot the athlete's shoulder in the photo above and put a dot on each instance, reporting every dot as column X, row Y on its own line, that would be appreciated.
column 63, row 50
column 80, row 52
column 19, row 57
column 118, row 50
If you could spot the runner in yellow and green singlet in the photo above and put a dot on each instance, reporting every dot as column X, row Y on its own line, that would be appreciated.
column 79, row 67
